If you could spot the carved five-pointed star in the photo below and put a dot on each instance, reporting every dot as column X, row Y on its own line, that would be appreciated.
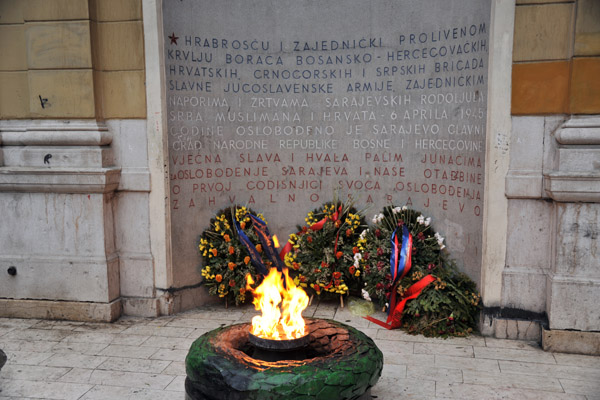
column 173, row 38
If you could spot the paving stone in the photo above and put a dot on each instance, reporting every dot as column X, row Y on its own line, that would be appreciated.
column 100, row 392
column 227, row 315
column 198, row 323
column 393, row 388
column 555, row 371
column 90, row 349
column 246, row 318
column 43, row 390
column 344, row 315
column 588, row 388
column 4, row 331
column 393, row 346
column 538, row 356
column 178, row 384
column 170, row 355
column 19, row 323
column 77, row 375
column 370, row 332
column 157, row 331
column 175, row 368
column 577, row 359
column 162, row 321
column 90, row 337
column 64, row 325
column 432, row 373
column 117, row 350
column 397, row 334
column 468, row 391
column 467, row 363
column 134, row 365
column 168, row 343
column 444, row 349
column 394, row 371
column 74, row 360
column 511, row 344
column 33, row 372
column 130, row 379
column 327, row 313
column 26, row 345
column 408, row 359
column 26, row 357
column 510, row 380
column 143, row 358
column 53, row 335
column 309, row 311
column 130, row 340
column 101, row 327
column 196, row 333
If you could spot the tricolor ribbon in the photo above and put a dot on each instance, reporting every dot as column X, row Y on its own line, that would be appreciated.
column 255, row 257
column 400, row 264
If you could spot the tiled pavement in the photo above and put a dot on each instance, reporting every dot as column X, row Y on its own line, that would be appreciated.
column 141, row 358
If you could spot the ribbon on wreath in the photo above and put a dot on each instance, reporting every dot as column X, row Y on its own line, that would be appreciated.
column 400, row 264
column 394, row 319
column 317, row 226
column 260, row 227
column 255, row 257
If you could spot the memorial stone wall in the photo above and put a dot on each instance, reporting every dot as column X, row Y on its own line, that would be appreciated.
column 280, row 105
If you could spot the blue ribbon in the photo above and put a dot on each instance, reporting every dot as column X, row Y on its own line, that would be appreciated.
column 398, row 268
column 255, row 257
column 260, row 227
column 404, row 252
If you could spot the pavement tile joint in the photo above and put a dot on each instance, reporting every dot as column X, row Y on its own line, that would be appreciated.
column 143, row 358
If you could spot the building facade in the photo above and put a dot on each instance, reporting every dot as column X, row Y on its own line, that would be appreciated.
column 84, row 188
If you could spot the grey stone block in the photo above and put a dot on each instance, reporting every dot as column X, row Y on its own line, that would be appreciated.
column 571, row 342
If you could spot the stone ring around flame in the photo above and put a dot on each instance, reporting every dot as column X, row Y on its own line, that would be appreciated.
column 342, row 363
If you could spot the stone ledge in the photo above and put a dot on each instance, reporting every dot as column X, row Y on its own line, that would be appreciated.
column 524, row 184
column 576, row 342
column 93, row 278
column 141, row 306
column 62, row 310
column 573, row 186
column 579, row 131
column 514, row 329
column 134, row 180
column 59, row 180
column 54, row 133
column 45, row 157
column 511, row 323
column 571, row 302
column 168, row 302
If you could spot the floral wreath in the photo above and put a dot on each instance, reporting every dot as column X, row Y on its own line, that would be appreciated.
column 226, row 259
column 322, row 252
column 443, row 301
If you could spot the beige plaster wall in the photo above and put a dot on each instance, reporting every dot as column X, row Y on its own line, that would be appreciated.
column 71, row 59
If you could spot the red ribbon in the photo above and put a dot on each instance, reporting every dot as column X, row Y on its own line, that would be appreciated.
column 394, row 319
column 317, row 226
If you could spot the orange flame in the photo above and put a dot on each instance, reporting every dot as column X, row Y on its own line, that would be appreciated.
column 281, row 307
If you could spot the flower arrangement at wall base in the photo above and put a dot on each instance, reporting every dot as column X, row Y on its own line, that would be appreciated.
column 321, row 254
column 406, row 273
column 226, row 260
